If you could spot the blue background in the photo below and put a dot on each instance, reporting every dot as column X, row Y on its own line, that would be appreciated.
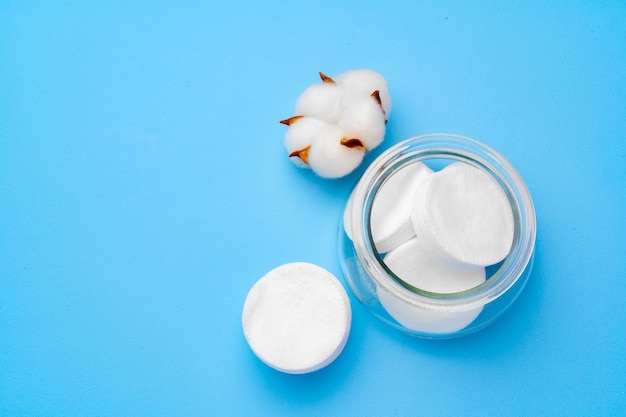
column 144, row 188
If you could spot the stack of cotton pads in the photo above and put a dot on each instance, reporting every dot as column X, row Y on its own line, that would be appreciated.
column 437, row 231
column 337, row 121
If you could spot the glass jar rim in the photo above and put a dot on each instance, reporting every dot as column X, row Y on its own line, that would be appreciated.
column 453, row 147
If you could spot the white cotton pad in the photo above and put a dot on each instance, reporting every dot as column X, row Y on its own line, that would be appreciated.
column 328, row 158
column 364, row 119
column 324, row 101
column 415, row 266
column 462, row 215
column 297, row 318
column 423, row 320
column 390, row 219
column 362, row 83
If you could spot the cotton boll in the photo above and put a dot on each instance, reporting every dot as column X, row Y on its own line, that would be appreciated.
column 358, row 110
column 329, row 158
column 364, row 119
column 323, row 101
column 363, row 82
column 301, row 133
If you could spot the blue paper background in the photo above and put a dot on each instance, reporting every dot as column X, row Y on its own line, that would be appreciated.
column 144, row 189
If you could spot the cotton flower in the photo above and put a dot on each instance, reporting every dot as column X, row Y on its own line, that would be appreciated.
column 337, row 121
column 332, row 155
column 323, row 101
column 358, row 84
column 364, row 119
column 299, row 137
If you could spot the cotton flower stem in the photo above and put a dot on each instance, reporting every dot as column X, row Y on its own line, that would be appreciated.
column 353, row 143
column 290, row 120
column 303, row 154
column 326, row 79
column 376, row 95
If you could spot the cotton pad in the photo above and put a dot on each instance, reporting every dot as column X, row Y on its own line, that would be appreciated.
column 415, row 266
column 462, row 215
column 390, row 219
column 297, row 318
column 423, row 320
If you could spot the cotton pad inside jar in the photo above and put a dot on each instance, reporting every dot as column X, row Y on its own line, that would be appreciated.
column 391, row 222
column 391, row 211
column 412, row 264
column 297, row 318
column 462, row 215
column 471, row 251
column 463, row 222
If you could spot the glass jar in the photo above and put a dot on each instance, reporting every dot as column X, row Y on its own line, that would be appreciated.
column 413, row 310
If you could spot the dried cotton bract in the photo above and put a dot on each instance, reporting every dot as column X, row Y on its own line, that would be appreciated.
column 337, row 121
